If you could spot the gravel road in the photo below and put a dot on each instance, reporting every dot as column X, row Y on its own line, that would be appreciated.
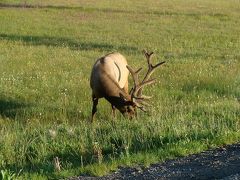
column 221, row 163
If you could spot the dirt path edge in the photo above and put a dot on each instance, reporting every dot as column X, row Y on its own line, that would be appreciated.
column 219, row 163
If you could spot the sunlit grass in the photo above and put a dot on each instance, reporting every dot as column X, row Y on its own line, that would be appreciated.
column 46, row 55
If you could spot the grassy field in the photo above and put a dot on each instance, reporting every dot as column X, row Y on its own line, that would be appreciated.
column 47, row 49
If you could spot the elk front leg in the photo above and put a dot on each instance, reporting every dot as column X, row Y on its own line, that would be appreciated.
column 94, row 107
column 113, row 111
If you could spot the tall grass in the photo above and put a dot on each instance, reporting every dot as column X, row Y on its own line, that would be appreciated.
column 46, row 53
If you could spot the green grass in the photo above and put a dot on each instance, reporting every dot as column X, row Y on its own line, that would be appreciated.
column 46, row 55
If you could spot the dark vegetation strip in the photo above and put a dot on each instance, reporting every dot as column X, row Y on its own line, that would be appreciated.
column 88, row 46
column 108, row 10
column 61, row 42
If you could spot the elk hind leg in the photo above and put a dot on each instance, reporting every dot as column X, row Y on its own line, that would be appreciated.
column 94, row 107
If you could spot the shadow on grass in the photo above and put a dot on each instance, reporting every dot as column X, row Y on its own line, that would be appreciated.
column 10, row 108
column 64, row 42
column 17, row 110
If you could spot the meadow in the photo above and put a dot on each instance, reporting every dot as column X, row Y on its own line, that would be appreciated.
column 47, row 49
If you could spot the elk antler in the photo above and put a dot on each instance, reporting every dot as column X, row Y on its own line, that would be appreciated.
column 136, row 91
column 151, row 69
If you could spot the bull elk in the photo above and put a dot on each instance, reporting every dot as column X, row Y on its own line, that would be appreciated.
column 109, row 79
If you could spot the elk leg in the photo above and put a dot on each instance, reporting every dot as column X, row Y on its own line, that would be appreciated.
column 113, row 111
column 94, row 107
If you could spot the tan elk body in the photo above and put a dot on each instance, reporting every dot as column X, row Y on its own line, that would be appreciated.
column 109, row 79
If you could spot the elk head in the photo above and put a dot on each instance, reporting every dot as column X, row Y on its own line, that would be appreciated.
column 136, row 92
column 109, row 79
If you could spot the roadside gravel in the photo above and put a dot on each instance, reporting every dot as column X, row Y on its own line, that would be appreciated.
column 221, row 163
